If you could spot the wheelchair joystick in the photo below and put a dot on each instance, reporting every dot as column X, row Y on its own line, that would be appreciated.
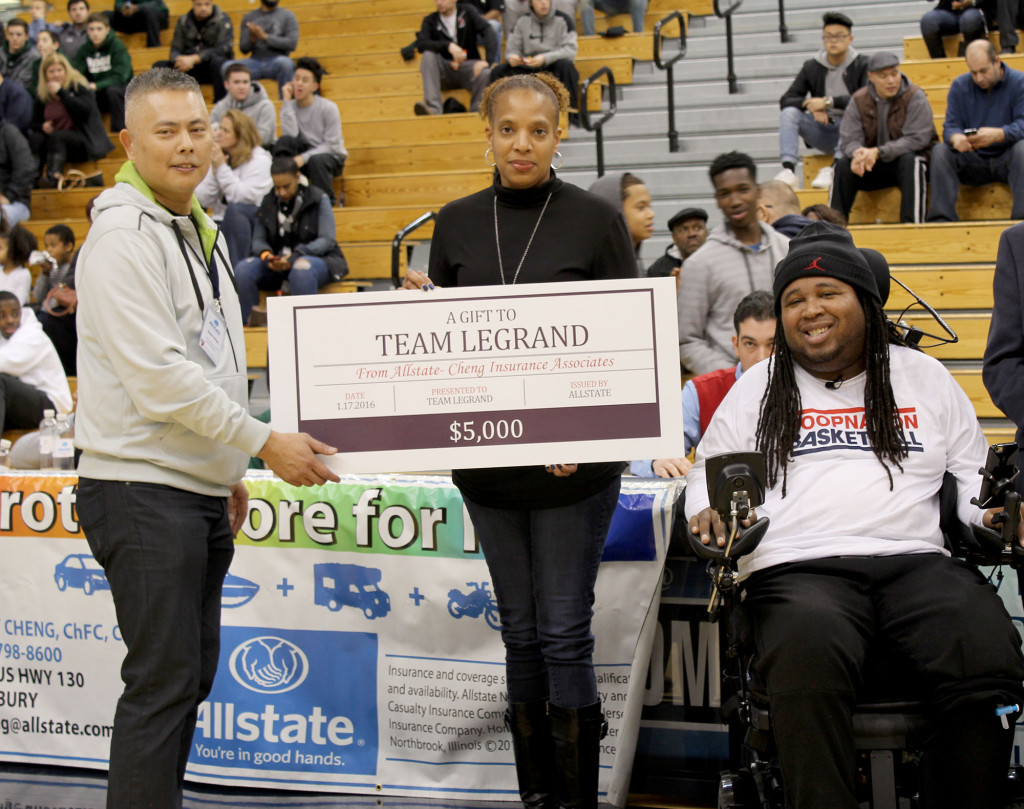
column 735, row 487
column 997, row 491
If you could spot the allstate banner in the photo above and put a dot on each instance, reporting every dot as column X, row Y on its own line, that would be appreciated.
column 360, row 648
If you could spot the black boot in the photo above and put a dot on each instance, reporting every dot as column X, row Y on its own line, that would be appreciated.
column 577, row 733
column 534, row 752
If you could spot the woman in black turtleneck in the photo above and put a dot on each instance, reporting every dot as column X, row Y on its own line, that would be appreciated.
column 542, row 529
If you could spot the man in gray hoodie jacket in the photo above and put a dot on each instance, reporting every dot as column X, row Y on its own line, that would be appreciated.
column 164, row 429
column 885, row 138
column 738, row 258
column 245, row 95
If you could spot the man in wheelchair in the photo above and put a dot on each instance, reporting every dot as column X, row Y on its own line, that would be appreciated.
column 857, row 435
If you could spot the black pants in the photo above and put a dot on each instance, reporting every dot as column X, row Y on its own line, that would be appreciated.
column 206, row 72
column 147, row 17
column 21, row 405
column 62, row 333
column 60, row 147
column 908, row 171
column 165, row 552
column 320, row 169
column 111, row 99
column 813, row 624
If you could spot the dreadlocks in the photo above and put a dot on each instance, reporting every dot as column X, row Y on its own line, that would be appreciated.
column 778, row 425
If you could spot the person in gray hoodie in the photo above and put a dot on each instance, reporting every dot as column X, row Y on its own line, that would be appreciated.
column 886, row 135
column 164, row 429
column 631, row 198
column 738, row 258
column 813, row 104
column 544, row 39
column 245, row 95
column 269, row 34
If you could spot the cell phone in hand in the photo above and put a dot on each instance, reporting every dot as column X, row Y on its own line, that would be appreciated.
column 973, row 130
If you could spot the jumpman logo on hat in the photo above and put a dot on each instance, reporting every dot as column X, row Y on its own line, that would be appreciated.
column 814, row 265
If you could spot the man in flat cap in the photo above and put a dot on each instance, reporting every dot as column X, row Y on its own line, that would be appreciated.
column 689, row 229
column 886, row 135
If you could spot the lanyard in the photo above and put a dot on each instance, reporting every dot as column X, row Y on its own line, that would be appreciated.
column 211, row 271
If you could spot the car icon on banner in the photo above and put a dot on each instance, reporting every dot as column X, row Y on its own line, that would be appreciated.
column 82, row 571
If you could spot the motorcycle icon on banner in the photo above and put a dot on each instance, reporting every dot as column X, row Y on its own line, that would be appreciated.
column 478, row 600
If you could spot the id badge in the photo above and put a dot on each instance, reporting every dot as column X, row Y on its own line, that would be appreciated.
column 211, row 340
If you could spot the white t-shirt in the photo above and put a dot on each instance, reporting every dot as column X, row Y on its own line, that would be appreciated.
column 18, row 282
column 838, row 501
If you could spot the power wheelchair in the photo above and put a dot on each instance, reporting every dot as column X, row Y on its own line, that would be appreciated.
column 889, row 724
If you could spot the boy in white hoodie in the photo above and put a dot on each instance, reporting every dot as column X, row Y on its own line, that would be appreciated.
column 31, row 376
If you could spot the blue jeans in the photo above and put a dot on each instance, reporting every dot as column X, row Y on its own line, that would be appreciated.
column 165, row 552
column 949, row 168
column 939, row 23
column 237, row 229
column 543, row 565
column 307, row 275
column 280, row 67
column 794, row 124
column 636, row 8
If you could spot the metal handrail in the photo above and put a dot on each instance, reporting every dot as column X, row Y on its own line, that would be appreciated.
column 783, row 31
column 396, row 244
column 673, row 135
column 597, row 126
column 725, row 9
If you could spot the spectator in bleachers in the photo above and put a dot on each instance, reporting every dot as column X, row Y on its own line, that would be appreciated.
column 982, row 135
column 269, row 33
column 31, row 377
column 689, row 229
column 544, row 39
column 16, row 245
column 54, row 290
column 238, row 180
column 38, row 9
column 492, row 11
column 972, row 19
column 245, row 95
column 46, row 43
column 812, row 107
column 448, row 41
column 107, row 67
column 203, row 41
column 311, row 129
column 150, row 16
column 514, row 9
column 754, row 340
column 779, row 206
column 72, row 35
column 17, row 173
column 16, row 104
column 67, row 126
column 637, row 9
column 823, row 213
column 19, row 53
column 628, row 194
column 739, row 258
column 293, row 240
column 886, row 135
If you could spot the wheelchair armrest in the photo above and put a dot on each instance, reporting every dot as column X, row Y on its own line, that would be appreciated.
column 747, row 540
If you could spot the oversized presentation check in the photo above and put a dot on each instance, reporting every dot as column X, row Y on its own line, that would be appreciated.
column 481, row 376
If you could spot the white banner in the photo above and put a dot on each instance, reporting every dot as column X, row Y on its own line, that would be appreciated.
column 484, row 376
column 360, row 644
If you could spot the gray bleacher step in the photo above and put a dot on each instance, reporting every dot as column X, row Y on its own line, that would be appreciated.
column 652, row 151
column 807, row 19
column 705, row 93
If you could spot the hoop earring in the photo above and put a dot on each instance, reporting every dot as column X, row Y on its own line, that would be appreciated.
column 561, row 162
column 495, row 163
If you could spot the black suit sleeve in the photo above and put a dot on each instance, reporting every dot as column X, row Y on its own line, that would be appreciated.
column 1003, row 371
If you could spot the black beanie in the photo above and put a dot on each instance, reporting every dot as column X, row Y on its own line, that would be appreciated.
column 822, row 248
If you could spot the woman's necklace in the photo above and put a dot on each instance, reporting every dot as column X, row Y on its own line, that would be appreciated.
column 497, row 241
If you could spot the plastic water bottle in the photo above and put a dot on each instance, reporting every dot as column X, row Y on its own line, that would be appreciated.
column 5, row 455
column 64, row 445
column 47, row 439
